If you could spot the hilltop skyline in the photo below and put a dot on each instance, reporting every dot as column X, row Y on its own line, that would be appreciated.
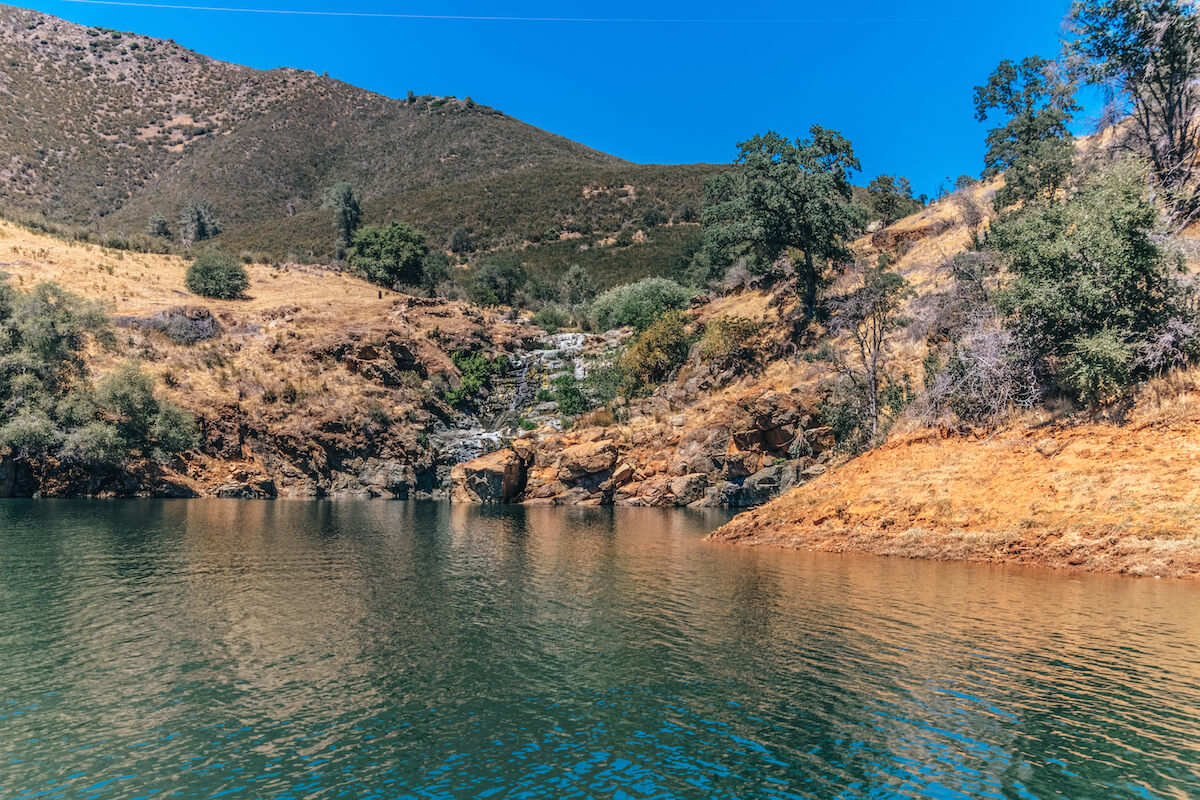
column 664, row 91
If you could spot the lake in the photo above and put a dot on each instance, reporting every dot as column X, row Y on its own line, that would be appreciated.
column 240, row 649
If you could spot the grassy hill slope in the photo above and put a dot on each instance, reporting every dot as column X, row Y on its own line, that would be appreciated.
column 103, row 126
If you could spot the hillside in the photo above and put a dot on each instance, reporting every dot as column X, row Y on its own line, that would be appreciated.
column 554, row 216
column 1090, row 496
column 101, row 125
column 101, row 129
column 317, row 383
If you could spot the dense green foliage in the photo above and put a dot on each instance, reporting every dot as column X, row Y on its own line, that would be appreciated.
column 216, row 273
column 1034, row 149
column 498, row 280
column 390, row 255
column 1094, row 292
column 657, row 352
column 788, row 194
column 49, row 408
column 476, row 373
column 638, row 304
column 891, row 199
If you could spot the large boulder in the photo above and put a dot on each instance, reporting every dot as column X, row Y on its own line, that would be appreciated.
column 497, row 477
column 383, row 477
column 768, row 483
column 259, row 489
column 689, row 489
column 589, row 458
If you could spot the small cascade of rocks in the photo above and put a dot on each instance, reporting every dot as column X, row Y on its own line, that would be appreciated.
column 514, row 396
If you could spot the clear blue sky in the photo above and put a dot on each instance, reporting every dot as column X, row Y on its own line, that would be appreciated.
column 895, row 78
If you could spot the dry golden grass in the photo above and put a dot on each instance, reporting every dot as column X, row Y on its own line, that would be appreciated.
column 1095, row 496
column 272, row 342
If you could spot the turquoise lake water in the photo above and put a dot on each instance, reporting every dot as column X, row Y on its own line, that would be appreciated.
column 237, row 649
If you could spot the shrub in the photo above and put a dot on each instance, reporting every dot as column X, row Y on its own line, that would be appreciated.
column 655, row 353
column 476, row 372
column 639, row 304
column 460, row 241
column 981, row 376
column 435, row 270
column 1093, row 284
column 217, row 274
column 551, row 317
column 569, row 396
column 158, row 226
column 125, row 400
column 1099, row 367
column 94, row 443
column 653, row 217
column 732, row 342
column 577, row 286
column 497, row 281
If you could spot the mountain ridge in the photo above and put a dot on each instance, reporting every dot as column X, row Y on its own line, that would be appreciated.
column 144, row 124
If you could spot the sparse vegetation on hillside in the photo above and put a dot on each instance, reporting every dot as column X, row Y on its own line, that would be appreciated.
column 117, row 129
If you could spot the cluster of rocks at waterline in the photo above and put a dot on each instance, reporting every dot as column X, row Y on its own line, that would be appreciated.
column 743, row 457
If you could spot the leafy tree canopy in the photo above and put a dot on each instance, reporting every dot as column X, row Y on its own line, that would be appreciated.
column 787, row 194
column 1033, row 148
column 1145, row 54
column 390, row 255
column 891, row 198
column 1093, row 290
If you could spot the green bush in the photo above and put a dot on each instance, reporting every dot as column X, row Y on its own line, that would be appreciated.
column 552, row 317
column 569, row 396
column 577, row 286
column 125, row 400
column 1099, row 367
column 389, row 255
column 639, row 304
column 216, row 273
column 655, row 354
column 497, row 280
column 476, row 372
column 1094, row 291
column 435, row 270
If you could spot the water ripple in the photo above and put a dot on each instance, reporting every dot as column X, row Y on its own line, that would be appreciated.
column 232, row 649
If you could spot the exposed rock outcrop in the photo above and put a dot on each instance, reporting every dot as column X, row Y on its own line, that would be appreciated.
column 497, row 477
